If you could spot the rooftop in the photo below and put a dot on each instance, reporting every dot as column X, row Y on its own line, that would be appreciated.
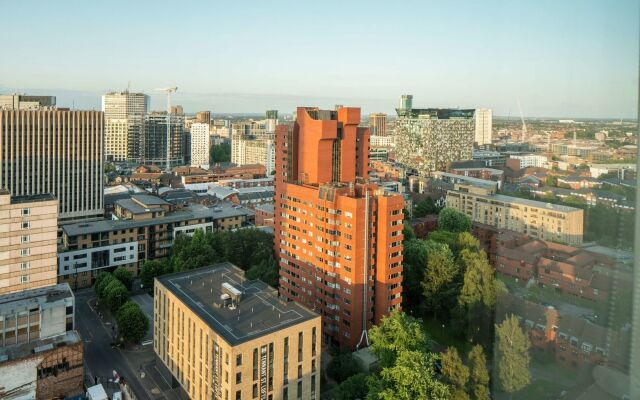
column 28, row 298
column 19, row 351
column 32, row 198
column 258, row 313
column 194, row 211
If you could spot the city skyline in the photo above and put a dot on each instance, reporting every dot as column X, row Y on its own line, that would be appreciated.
column 585, row 72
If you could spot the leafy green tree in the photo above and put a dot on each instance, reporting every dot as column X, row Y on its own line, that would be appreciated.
column 448, row 238
column 415, row 254
column 452, row 220
column 426, row 207
column 551, row 180
column 395, row 333
column 478, row 288
column 407, row 231
column 115, row 294
column 441, row 271
column 124, row 276
column 152, row 269
column 220, row 153
column 455, row 373
column 354, row 387
column 479, row 374
column 102, row 281
column 512, row 355
column 266, row 271
column 411, row 377
column 133, row 324
column 343, row 366
column 467, row 241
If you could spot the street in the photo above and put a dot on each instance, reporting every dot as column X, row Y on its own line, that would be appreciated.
column 100, row 358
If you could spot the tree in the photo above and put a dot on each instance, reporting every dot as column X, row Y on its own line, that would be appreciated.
column 133, row 324
column 115, row 294
column 407, row 231
column 220, row 153
column 415, row 254
column 411, row 377
column 425, row 207
column 151, row 269
column 478, row 288
column 455, row 373
column 467, row 241
column 512, row 355
column 266, row 271
column 343, row 366
column 440, row 271
column 102, row 281
column 397, row 332
column 452, row 220
column 479, row 375
column 124, row 276
column 354, row 387
column 448, row 238
column 551, row 180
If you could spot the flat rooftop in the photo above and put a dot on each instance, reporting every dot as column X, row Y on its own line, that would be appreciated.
column 259, row 312
column 18, row 351
column 29, row 298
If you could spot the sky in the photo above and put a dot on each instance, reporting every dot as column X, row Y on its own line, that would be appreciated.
column 570, row 58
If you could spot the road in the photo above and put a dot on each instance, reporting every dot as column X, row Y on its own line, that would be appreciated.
column 100, row 358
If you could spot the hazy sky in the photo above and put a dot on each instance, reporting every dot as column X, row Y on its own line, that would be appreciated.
column 574, row 58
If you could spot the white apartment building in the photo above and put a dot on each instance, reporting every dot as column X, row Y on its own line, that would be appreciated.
column 252, row 143
column 123, row 124
column 200, row 145
column 484, row 125
column 532, row 160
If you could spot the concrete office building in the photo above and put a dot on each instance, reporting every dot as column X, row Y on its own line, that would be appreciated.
column 378, row 124
column 531, row 160
column 427, row 140
column 123, row 124
column 41, row 356
column 54, row 152
column 11, row 102
column 225, row 337
column 28, row 230
column 537, row 219
column 154, row 143
column 484, row 125
column 338, row 239
column 200, row 145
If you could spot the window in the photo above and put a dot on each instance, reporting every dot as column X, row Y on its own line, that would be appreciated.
column 239, row 377
column 300, row 389
column 25, row 252
column 255, row 390
column 25, row 239
column 26, row 225
column 239, row 395
column 25, row 265
column 24, row 279
column 26, row 211
column 239, row 360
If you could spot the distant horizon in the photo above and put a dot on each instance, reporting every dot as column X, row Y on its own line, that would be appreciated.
column 82, row 100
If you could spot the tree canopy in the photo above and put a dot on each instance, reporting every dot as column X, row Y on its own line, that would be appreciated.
column 124, row 276
column 220, row 153
column 397, row 332
column 426, row 207
column 512, row 355
column 133, row 324
column 452, row 220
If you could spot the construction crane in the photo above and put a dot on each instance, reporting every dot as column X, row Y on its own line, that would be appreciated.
column 524, row 126
column 168, row 91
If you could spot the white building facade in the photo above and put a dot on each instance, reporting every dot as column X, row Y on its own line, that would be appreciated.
column 484, row 125
column 123, row 124
column 200, row 144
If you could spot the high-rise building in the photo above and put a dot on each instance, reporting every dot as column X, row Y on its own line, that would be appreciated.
column 200, row 144
column 10, row 102
column 154, row 143
column 56, row 152
column 237, row 337
column 253, row 143
column 28, row 231
column 203, row 117
column 338, row 238
column 123, row 124
column 378, row 124
column 272, row 120
column 484, row 124
column 429, row 139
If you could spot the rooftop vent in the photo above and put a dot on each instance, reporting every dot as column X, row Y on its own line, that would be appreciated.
column 234, row 294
